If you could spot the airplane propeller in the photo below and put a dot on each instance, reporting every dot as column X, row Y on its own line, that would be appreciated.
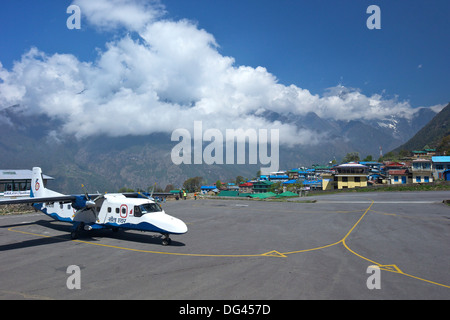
column 87, row 203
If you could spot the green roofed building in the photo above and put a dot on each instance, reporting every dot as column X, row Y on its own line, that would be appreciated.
column 261, row 186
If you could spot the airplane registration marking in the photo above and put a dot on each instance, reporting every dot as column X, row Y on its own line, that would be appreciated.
column 274, row 253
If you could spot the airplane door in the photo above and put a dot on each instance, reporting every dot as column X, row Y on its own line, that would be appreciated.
column 106, row 213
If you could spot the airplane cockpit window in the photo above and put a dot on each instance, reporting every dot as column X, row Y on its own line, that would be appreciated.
column 148, row 208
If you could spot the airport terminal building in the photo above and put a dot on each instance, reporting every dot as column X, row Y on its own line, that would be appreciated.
column 17, row 183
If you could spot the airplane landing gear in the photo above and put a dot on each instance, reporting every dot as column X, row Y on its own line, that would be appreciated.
column 166, row 240
column 74, row 235
column 77, row 227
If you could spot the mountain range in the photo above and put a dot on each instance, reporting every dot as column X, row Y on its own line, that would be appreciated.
column 105, row 163
column 431, row 134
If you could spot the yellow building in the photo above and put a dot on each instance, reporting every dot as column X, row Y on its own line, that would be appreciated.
column 348, row 175
column 328, row 181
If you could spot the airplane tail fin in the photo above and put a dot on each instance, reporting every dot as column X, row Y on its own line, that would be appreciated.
column 38, row 189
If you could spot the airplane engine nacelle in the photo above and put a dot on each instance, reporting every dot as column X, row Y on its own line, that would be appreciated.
column 81, row 202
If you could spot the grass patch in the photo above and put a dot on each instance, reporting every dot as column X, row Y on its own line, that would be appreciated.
column 16, row 209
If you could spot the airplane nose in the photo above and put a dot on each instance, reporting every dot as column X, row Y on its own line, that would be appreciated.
column 180, row 227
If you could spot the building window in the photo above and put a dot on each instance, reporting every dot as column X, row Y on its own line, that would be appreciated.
column 357, row 179
column 396, row 178
column 418, row 178
column 344, row 179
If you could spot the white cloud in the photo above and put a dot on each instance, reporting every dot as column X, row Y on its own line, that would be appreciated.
column 113, row 14
column 168, row 78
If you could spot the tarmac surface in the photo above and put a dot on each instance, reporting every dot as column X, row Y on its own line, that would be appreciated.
column 243, row 249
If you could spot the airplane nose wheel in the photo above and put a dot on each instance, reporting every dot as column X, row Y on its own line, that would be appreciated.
column 166, row 240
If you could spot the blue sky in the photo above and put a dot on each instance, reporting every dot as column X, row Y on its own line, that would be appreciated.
column 201, row 59
column 318, row 44
column 313, row 44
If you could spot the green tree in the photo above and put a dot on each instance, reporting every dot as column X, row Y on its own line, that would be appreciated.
column 351, row 157
column 444, row 146
column 276, row 187
column 294, row 187
column 390, row 156
column 404, row 153
column 125, row 189
column 218, row 184
column 193, row 184
column 239, row 180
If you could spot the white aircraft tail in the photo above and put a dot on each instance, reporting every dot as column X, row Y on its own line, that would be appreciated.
column 38, row 190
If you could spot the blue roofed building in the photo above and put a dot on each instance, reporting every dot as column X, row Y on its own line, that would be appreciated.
column 206, row 189
column 440, row 165
column 280, row 176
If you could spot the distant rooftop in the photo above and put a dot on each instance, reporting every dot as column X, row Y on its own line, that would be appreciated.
column 351, row 164
column 441, row 159
column 19, row 175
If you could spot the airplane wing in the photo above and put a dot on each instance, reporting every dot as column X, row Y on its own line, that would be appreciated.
column 38, row 200
column 145, row 194
column 80, row 200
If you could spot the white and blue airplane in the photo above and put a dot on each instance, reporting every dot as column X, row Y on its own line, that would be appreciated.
column 133, row 211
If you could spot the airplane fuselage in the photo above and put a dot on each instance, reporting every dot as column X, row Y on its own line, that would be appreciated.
column 115, row 211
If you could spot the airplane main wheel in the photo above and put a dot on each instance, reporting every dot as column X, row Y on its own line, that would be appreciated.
column 74, row 235
column 76, row 231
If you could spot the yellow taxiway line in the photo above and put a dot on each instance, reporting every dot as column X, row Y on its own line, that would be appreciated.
column 273, row 253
